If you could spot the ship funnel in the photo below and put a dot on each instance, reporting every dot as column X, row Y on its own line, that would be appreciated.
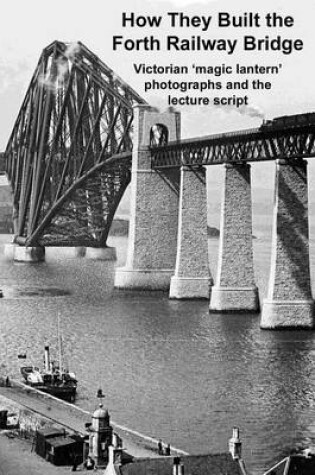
column 235, row 444
column 47, row 359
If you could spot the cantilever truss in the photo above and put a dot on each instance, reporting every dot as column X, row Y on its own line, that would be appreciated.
column 69, row 155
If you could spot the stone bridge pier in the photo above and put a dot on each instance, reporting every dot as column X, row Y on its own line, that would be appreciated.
column 168, row 247
column 289, row 301
column 154, row 208
column 192, row 277
column 235, row 288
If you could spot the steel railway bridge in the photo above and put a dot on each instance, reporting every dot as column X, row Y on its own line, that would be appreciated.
column 68, row 158
column 69, row 155
column 291, row 141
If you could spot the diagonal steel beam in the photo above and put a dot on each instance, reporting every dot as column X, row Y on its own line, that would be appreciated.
column 31, row 240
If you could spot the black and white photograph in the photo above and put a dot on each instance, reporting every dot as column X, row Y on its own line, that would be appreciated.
column 157, row 237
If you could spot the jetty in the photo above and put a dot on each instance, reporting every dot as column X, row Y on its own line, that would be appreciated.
column 27, row 412
column 39, row 409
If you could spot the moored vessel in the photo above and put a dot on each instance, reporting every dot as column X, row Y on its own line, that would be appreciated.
column 53, row 379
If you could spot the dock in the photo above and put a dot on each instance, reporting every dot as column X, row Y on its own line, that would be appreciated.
column 44, row 409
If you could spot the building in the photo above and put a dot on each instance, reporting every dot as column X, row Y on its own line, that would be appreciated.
column 229, row 463
column 296, row 464
column 216, row 464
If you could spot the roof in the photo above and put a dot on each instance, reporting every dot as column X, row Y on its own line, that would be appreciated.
column 112, row 469
column 60, row 441
column 48, row 432
column 193, row 465
column 279, row 468
column 300, row 464
column 100, row 413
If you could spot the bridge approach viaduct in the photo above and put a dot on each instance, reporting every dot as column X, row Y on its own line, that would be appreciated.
column 168, row 243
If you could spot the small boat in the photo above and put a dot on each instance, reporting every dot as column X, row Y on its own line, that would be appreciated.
column 52, row 379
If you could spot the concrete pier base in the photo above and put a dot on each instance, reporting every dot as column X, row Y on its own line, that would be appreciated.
column 234, row 299
column 143, row 280
column 101, row 253
column 192, row 276
column 235, row 289
column 79, row 251
column 152, row 238
column 9, row 250
column 96, row 253
column 289, row 302
column 287, row 313
column 190, row 288
column 24, row 254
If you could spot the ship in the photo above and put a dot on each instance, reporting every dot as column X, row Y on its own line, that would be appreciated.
column 52, row 379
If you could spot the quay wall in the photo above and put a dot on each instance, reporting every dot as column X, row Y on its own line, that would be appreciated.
column 36, row 409
column 28, row 420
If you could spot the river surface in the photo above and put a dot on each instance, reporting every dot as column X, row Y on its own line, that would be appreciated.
column 168, row 368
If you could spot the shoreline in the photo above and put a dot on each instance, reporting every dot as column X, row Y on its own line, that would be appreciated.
column 35, row 409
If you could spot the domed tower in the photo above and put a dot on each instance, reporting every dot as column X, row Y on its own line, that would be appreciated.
column 100, row 436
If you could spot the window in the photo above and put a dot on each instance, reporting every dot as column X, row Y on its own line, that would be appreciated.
column 158, row 135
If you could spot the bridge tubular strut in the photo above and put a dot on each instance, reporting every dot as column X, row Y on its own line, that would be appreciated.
column 235, row 289
column 289, row 301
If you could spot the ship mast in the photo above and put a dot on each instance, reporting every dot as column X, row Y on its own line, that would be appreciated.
column 59, row 345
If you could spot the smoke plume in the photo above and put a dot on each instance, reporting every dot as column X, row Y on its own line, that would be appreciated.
column 53, row 83
column 251, row 111
column 72, row 50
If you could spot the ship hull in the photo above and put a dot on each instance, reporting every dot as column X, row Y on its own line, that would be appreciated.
column 64, row 388
column 66, row 393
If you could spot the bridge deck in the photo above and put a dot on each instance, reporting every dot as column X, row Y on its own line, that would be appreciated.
column 251, row 145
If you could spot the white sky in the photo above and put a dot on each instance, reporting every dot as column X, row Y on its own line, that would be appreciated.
column 29, row 26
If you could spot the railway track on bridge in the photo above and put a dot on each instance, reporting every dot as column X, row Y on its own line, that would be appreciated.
column 271, row 141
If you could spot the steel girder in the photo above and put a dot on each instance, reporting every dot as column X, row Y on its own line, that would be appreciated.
column 76, row 116
column 252, row 145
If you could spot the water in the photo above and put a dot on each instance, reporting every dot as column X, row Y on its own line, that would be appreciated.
column 168, row 368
